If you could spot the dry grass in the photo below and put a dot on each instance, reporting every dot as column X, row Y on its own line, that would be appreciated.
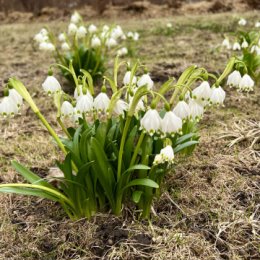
column 211, row 206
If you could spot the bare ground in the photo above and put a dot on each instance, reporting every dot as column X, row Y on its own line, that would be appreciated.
column 211, row 207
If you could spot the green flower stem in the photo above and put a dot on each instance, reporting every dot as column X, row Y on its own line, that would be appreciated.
column 64, row 129
column 51, row 131
column 122, row 145
column 139, row 143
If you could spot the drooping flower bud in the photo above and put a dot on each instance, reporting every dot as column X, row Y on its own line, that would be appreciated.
column 145, row 80
column 81, row 32
column 226, row 43
column 65, row 46
column 51, row 85
column 120, row 107
column 67, row 110
column 196, row 109
column 246, row 83
column 167, row 154
column 242, row 22
column 234, row 79
column 244, row 44
column 236, row 46
column 182, row 110
column 171, row 124
column 101, row 102
column 8, row 107
column 95, row 42
column 17, row 98
column 92, row 28
column 84, row 104
column 122, row 52
column 62, row 37
column 217, row 96
column 72, row 29
column 202, row 92
column 111, row 42
column 75, row 18
column 151, row 121
column 127, row 78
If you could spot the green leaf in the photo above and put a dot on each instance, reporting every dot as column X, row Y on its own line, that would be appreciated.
column 185, row 138
column 136, row 196
column 129, row 146
column 142, row 182
column 183, row 146
column 137, row 167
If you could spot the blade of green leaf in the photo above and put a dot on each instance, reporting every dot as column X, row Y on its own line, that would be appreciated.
column 137, row 196
column 142, row 182
column 184, row 145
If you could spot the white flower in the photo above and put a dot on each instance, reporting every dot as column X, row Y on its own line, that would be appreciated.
column 92, row 28
column 236, row 46
column 158, row 159
column 16, row 97
column 234, row 79
column 81, row 32
column 46, row 46
column 8, row 107
column 44, row 32
column 111, row 42
column 182, row 110
column 256, row 49
column 171, row 124
column 95, row 42
column 65, row 46
column 84, row 104
column 139, row 106
column 246, row 83
column 127, row 78
column 196, row 109
column 117, row 32
column 130, row 35
column 202, row 92
column 76, row 116
column 242, row 22
column 105, row 28
column 72, row 29
column 51, row 85
column 62, row 37
column 136, row 36
column 226, row 43
column 244, row 44
column 75, row 18
column 120, row 107
column 151, row 121
column 169, row 25
column 145, row 80
column 123, row 51
column 257, row 24
column 167, row 154
column 66, row 109
column 39, row 37
column 217, row 95
column 101, row 102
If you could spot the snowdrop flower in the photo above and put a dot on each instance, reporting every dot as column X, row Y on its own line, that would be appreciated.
column 202, row 92
column 72, row 29
column 62, row 37
column 78, row 92
column 127, row 78
column 39, row 38
column 84, row 104
column 151, row 121
column 136, row 36
column 256, row 49
column 65, row 46
column 95, row 42
column 67, row 110
column 196, row 109
column 76, row 116
column 123, row 51
column 120, row 107
column 169, row 25
column 81, row 32
column 111, row 42
column 167, row 154
column 244, row 44
column 145, row 80
column 234, row 79
column 105, row 28
column 75, row 18
column 246, row 83
column 130, row 35
column 217, row 95
column 182, row 110
column 101, row 102
column 242, row 22
column 44, row 32
column 117, row 32
column 158, row 159
column 16, row 97
column 46, row 46
column 236, row 46
column 226, row 43
column 8, row 107
column 171, row 124
column 257, row 24
column 51, row 85
column 92, row 28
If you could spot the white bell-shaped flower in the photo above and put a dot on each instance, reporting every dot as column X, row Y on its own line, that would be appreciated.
column 158, row 159
column 136, row 36
column 51, row 85
column 95, row 42
column 67, row 110
column 255, row 49
column 145, row 80
column 81, row 32
column 167, row 154
column 217, row 96
column 171, row 124
column 244, row 44
column 75, row 18
column 226, row 43
column 257, row 24
column 234, row 79
column 101, row 102
column 65, row 46
column 46, row 46
column 246, row 83
column 169, row 25
column 39, row 38
column 62, row 37
column 120, row 107
column 130, row 35
column 122, row 52
column 84, row 104
column 196, row 109
column 92, row 28
column 202, row 92
column 242, row 22
column 72, row 29
column 8, row 107
column 182, row 110
column 105, row 28
column 17, row 98
column 236, row 46
column 127, row 78
column 111, row 42
column 44, row 32
column 117, row 32
column 151, row 121
column 76, row 115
